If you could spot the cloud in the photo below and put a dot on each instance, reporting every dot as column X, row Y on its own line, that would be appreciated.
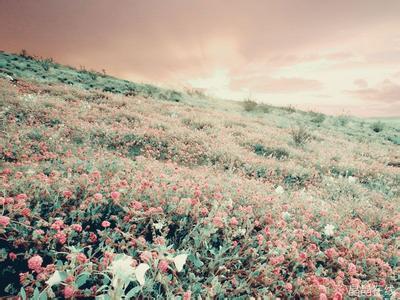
column 276, row 85
column 387, row 92
column 361, row 83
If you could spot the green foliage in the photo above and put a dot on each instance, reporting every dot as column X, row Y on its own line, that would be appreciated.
column 197, row 125
column 249, row 105
column 317, row 118
column 394, row 139
column 46, row 63
column 27, row 67
column 377, row 126
column 343, row 120
column 278, row 153
column 289, row 109
column 300, row 135
column 265, row 108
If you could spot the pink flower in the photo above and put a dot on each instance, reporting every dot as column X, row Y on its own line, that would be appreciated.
column 145, row 256
column 234, row 221
column 289, row 286
column 137, row 205
column 187, row 295
column 115, row 195
column 4, row 221
column 352, row 269
column 105, row 224
column 323, row 297
column 92, row 237
column 76, row 227
column 218, row 222
column 330, row 253
column 81, row 258
column 21, row 197
column 67, row 194
column 61, row 237
column 303, row 256
column 98, row 196
column 337, row 296
column 35, row 262
column 57, row 225
column 204, row 211
column 12, row 256
column 260, row 239
column 163, row 266
column 68, row 291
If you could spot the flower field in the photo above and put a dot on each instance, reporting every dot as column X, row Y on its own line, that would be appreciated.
column 116, row 195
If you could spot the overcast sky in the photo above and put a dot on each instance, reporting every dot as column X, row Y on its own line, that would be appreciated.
column 332, row 56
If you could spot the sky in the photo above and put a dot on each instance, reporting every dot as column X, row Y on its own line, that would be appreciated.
column 337, row 57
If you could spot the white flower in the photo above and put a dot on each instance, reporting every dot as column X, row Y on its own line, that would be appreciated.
column 158, row 225
column 180, row 261
column 328, row 230
column 279, row 190
column 121, row 267
column 54, row 279
column 352, row 179
column 286, row 216
column 140, row 273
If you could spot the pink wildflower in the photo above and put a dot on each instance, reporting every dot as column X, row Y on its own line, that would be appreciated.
column 105, row 224
column 4, row 221
column 68, row 291
column 35, row 262
column 98, row 196
column 352, row 269
column 67, row 194
column 76, row 227
column 115, row 195
column 323, row 297
column 145, row 256
column 163, row 266
column 81, row 258
column 260, row 239
column 218, row 222
column 234, row 221
column 187, row 295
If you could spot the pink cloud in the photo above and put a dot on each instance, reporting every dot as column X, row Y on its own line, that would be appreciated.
column 387, row 91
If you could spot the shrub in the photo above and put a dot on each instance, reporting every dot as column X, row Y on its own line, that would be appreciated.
column 265, row 108
column 377, row 126
column 249, row 105
column 278, row 153
column 317, row 118
column 290, row 109
column 300, row 135
column 343, row 120
column 197, row 125
column 46, row 63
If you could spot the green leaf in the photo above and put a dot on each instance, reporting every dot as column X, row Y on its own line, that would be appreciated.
column 196, row 261
column 133, row 292
column 22, row 293
column 36, row 294
column 81, row 279
column 43, row 296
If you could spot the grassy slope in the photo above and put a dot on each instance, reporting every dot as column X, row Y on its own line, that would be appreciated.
column 341, row 176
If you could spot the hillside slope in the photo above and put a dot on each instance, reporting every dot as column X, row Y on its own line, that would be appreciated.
column 99, row 173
